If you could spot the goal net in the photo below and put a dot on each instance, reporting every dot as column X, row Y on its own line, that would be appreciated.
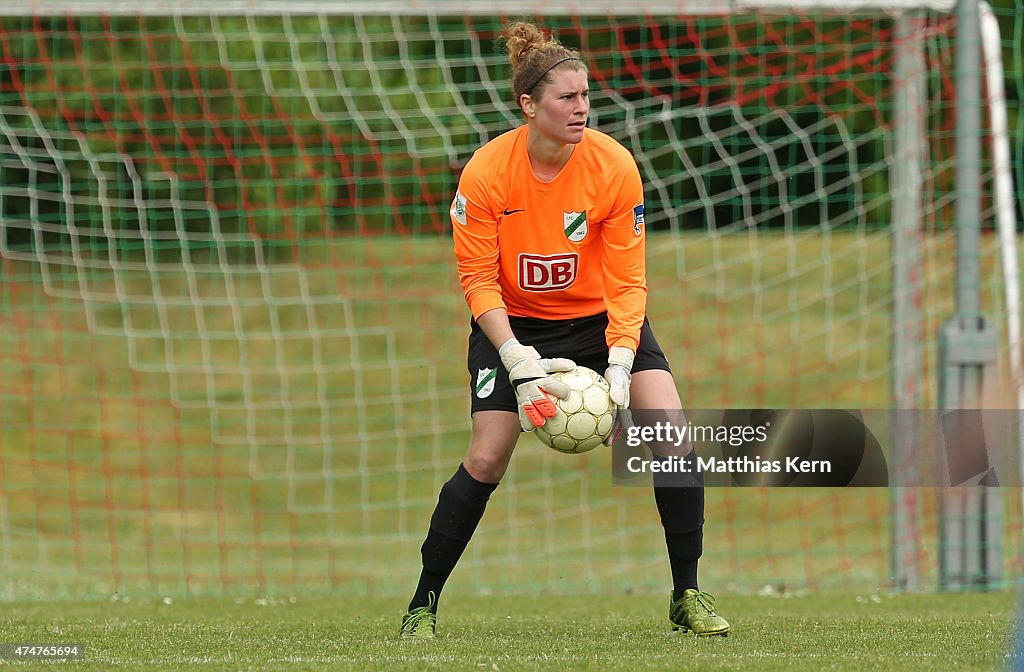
column 232, row 340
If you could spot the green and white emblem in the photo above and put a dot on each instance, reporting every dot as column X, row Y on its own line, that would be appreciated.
column 485, row 382
column 575, row 224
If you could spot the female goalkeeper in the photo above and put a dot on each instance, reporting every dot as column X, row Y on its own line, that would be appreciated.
column 549, row 234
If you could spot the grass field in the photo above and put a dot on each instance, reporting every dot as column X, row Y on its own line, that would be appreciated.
column 817, row 631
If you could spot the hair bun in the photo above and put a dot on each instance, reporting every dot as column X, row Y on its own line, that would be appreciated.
column 532, row 55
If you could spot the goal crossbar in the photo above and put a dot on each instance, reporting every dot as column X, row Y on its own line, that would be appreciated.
column 461, row 7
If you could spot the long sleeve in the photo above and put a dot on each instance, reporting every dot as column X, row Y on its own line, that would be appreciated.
column 624, row 263
column 476, row 244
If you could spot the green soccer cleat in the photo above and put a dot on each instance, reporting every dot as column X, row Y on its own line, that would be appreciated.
column 694, row 612
column 421, row 622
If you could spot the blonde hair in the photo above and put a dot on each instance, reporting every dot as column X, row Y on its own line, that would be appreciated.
column 533, row 55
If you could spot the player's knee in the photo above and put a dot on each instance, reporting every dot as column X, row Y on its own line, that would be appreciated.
column 486, row 467
column 494, row 439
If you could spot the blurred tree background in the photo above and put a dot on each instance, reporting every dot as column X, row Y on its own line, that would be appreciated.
column 294, row 126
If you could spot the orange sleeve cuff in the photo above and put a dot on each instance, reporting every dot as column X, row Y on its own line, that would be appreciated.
column 625, row 342
column 483, row 302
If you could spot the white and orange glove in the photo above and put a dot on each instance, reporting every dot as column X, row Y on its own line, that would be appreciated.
column 620, row 364
column 531, row 379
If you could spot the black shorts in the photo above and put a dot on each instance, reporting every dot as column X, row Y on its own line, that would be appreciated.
column 580, row 339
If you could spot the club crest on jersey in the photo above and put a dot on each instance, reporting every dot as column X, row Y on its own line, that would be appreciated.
column 575, row 224
column 485, row 382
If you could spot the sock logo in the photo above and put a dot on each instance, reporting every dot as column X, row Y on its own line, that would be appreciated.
column 485, row 382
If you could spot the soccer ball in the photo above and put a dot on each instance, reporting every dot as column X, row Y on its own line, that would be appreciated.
column 584, row 418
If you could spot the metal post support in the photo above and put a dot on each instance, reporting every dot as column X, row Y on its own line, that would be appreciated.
column 970, row 517
column 970, row 522
column 910, row 154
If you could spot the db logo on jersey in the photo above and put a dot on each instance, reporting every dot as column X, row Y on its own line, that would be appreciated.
column 540, row 274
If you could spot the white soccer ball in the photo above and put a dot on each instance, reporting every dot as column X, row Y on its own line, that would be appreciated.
column 584, row 418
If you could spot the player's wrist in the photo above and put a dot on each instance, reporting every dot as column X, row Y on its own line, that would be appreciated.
column 513, row 354
column 508, row 345
column 621, row 356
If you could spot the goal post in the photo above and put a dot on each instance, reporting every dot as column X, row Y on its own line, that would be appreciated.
column 233, row 338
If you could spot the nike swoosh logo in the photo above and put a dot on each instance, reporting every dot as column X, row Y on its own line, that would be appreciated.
column 512, row 212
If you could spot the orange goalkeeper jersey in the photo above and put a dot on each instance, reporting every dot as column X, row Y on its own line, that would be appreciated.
column 555, row 250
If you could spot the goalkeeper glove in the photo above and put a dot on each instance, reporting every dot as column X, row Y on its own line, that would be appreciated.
column 529, row 375
column 620, row 363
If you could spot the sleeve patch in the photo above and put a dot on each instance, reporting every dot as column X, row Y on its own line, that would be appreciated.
column 638, row 219
column 458, row 210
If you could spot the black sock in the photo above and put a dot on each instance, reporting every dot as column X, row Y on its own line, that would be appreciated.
column 459, row 508
column 682, row 515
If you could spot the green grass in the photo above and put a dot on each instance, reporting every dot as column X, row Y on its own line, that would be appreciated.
column 822, row 631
